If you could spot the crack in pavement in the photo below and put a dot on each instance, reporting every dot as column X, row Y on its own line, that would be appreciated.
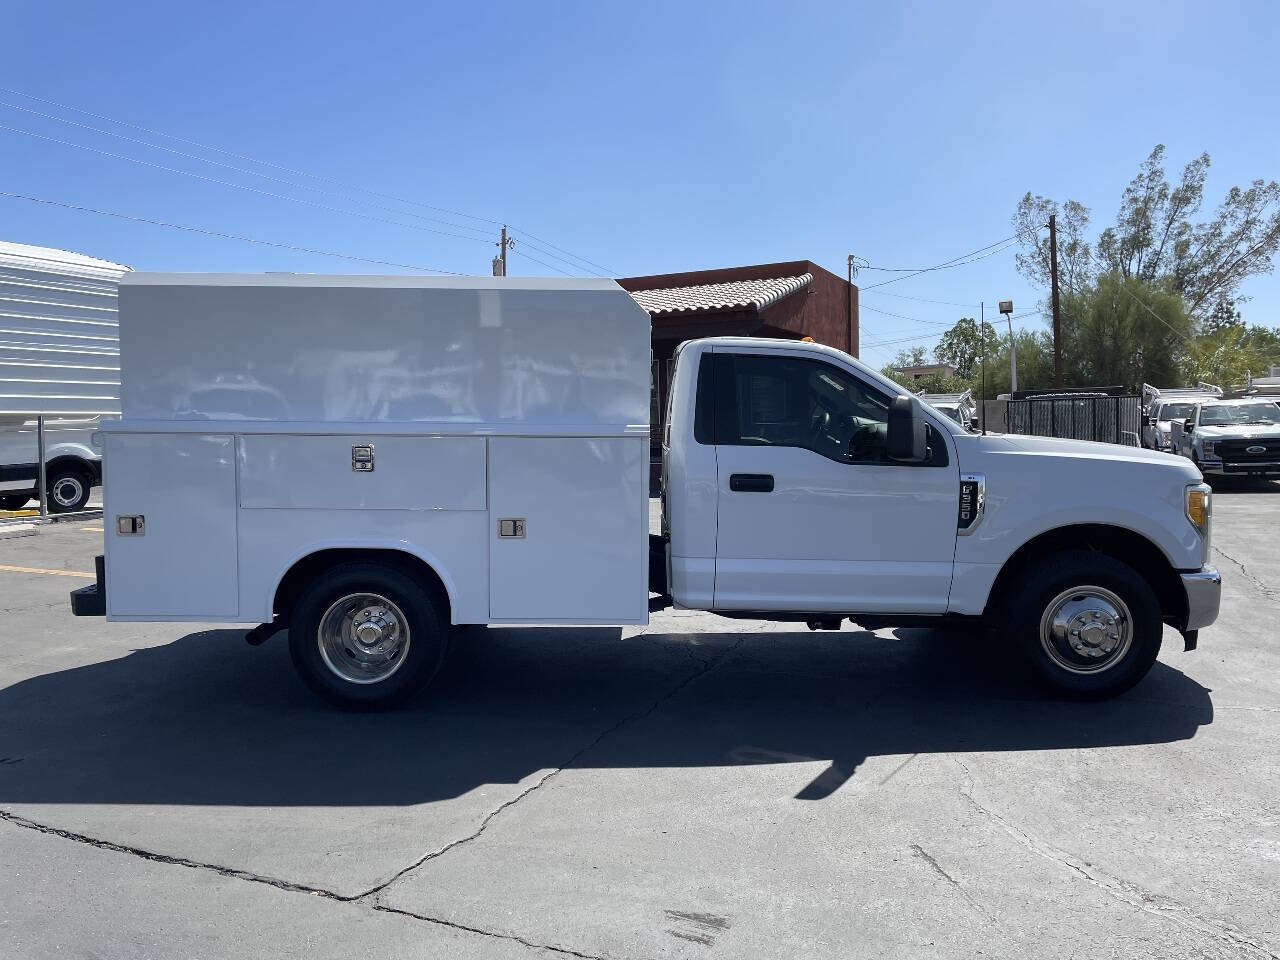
column 566, row 951
column 20, row 821
column 1267, row 591
column 922, row 854
column 371, row 896
column 707, row 666
column 1119, row 889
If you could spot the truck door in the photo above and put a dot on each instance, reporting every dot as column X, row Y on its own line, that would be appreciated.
column 812, row 516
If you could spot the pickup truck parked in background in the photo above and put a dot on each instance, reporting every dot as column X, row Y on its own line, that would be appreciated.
column 958, row 406
column 1161, row 407
column 1231, row 437
column 72, row 465
column 511, row 486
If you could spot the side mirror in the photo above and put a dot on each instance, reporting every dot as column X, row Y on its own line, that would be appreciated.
column 907, row 431
column 1188, row 426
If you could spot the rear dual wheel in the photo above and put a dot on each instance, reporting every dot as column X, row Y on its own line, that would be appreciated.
column 367, row 635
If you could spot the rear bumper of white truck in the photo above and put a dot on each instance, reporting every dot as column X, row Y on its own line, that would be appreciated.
column 91, row 601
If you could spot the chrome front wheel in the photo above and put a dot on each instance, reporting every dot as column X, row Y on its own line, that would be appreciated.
column 1086, row 629
column 363, row 638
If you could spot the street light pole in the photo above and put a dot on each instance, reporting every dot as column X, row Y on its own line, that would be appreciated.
column 982, row 345
column 1006, row 307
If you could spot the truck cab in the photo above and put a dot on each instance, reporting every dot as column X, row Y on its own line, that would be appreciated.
column 800, row 484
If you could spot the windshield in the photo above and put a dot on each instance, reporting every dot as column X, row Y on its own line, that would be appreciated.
column 1223, row 415
column 1176, row 411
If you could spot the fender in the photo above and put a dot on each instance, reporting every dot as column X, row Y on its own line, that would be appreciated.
column 352, row 543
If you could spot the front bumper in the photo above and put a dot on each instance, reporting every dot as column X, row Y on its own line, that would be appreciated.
column 1218, row 468
column 1204, row 597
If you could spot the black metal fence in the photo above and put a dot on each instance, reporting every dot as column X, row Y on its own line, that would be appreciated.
column 1106, row 419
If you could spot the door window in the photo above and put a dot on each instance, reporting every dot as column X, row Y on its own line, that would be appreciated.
column 797, row 402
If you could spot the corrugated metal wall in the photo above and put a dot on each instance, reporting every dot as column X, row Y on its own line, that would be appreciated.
column 59, row 335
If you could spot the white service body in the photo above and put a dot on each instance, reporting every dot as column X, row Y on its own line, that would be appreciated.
column 244, row 396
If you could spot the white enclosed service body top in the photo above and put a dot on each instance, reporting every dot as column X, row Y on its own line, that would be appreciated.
column 482, row 399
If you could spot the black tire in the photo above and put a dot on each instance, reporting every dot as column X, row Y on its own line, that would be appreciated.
column 67, row 489
column 1043, row 586
column 424, row 616
column 14, row 501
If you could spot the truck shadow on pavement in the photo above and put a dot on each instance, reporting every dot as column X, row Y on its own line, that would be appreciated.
column 208, row 720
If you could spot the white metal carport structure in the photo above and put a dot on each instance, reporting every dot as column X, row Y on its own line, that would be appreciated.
column 59, row 344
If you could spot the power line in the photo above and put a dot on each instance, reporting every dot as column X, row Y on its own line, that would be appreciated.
column 229, row 166
column 242, row 156
column 536, row 260
column 529, row 236
column 885, row 343
column 867, row 265
column 291, row 170
column 903, row 296
column 226, row 236
column 238, row 186
column 960, row 261
column 900, row 316
column 926, row 336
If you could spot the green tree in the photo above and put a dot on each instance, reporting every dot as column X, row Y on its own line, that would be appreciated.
column 960, row 346
column 1155, row 239
column 1225, row 357
column 1123, row 331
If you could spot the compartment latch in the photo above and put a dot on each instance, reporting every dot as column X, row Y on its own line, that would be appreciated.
column 362, row 457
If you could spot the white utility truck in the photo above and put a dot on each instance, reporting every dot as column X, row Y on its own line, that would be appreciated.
column 370, row 461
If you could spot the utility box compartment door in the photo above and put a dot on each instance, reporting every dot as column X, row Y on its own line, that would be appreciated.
column 182, row 563
column 568, row 530
column 397, row 473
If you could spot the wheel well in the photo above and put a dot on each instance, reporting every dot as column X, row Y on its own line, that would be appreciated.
column 84, row 467
column 311, row 566
column 1124, row 545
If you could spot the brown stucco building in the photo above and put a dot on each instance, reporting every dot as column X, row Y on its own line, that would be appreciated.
column 793, row 300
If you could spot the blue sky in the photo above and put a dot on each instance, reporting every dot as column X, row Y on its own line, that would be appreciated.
column 645, row 137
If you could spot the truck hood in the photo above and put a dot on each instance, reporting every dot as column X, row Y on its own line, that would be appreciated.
column 1102, row 452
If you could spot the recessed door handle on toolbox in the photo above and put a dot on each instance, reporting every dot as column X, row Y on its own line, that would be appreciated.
column 751, row 482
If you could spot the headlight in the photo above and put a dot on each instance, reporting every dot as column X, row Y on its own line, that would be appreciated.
column 1210, row 449
column 1200, row 510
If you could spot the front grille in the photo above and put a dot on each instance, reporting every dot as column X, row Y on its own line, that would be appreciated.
column 1237, row 451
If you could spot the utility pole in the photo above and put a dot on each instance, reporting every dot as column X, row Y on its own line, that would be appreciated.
column 852, row 271
column 1057, row 318
column 500, row 261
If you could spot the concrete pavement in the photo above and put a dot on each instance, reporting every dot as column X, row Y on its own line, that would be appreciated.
column 706, row 789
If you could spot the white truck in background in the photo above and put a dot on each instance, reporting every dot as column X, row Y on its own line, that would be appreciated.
column 72, row 466
column 368, row 462
column 1162, row 408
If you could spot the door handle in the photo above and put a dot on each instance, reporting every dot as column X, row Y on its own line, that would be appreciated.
column 751, row 482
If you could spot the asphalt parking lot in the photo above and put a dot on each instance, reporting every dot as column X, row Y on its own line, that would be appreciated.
column 702, row 788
